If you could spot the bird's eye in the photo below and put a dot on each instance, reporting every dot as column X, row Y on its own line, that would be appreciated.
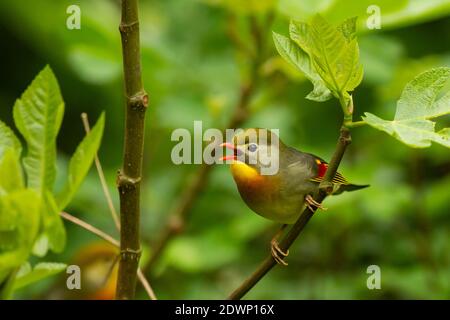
column 252, row 147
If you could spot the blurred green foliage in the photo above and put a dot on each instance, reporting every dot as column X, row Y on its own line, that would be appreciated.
column 29, row 206
column 193, row 71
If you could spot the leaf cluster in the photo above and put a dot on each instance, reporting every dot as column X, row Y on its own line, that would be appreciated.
column 329, row 57
column 29, row 205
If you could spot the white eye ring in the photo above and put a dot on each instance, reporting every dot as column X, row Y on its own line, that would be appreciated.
column 252, row 147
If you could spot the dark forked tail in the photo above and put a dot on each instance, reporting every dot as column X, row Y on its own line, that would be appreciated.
column 350, row 187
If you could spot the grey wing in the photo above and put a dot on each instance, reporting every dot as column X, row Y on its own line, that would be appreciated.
column 300, row 168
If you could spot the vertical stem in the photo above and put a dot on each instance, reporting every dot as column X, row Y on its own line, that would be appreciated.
column 129, row 177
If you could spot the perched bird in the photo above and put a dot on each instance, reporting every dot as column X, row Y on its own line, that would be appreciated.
column 282, row 195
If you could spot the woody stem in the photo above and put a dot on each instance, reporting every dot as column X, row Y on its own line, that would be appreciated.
column 129, row 177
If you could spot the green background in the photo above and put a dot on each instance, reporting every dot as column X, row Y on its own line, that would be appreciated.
column 192, row 71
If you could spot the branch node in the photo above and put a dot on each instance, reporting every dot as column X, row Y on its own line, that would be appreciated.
column 128, row 27
column 138, row 102
column 345, row 136
column 125, row 182
column 130, row 254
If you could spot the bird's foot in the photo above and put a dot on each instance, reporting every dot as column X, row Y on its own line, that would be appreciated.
column 278, row 254
column 311, row 203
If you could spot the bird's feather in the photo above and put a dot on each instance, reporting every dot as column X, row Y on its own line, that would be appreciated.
column 322, row 168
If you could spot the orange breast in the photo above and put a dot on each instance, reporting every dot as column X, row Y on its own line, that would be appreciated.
column 263, row 194
column 256, row 189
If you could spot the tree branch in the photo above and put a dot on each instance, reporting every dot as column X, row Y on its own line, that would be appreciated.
column 129, row 177
column 324, row 189
column 90, row 228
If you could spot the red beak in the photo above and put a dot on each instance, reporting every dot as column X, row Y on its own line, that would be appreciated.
column 231, row 147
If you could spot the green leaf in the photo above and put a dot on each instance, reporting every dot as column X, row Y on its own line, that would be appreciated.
column 41, row 246
column 27, row 276
column 8, row 217
column 53, row 234
column 418, row 98
column 24, row 205
column 334, row 52
column 10, row 172
column 8, row 140
column 7, row 284
column 8, row 239
column 348, row 28
column 38, row 115
column 418, row 104
column 81, row 162
column 289, row 50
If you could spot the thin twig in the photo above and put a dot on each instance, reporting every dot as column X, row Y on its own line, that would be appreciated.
column 89, row 228
column 110, row 240
column 146, row 284
column 101, row 175
column 294, row 232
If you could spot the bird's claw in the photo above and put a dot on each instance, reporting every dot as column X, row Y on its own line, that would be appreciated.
column 311, row 203
column 278, row 254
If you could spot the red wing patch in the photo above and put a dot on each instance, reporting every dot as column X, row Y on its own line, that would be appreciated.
column 322, row 168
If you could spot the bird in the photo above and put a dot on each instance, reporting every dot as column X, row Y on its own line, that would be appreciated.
column 282, row 195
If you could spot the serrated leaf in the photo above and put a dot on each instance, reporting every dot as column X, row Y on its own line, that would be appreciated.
column 300, row 60
column 418, row 98
column 38, row 115
column 8, row 140
column 10, row 172
column 417, row 105
column 80, row 163
column 334, row 52
column 27, row 276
